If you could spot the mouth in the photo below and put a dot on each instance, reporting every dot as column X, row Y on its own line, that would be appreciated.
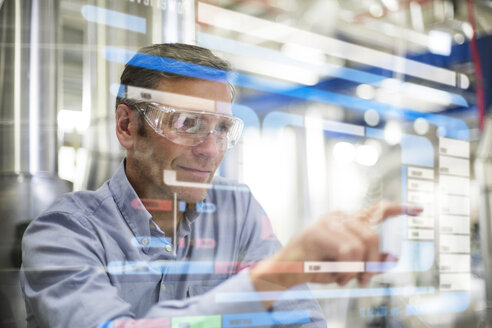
column 199, row 173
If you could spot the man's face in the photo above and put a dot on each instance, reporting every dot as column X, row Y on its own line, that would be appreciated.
column 152, row 153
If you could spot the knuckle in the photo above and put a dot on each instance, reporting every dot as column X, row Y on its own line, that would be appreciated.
column 357, row 250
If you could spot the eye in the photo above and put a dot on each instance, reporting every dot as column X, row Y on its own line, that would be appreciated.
column 223, row 127
column 187, row 123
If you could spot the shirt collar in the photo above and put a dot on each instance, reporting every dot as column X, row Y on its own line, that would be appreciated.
column 129, row 204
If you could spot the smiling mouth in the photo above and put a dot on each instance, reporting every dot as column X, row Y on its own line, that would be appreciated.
column 196, row 172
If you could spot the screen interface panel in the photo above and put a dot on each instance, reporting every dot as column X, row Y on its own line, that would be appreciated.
column 333, row 116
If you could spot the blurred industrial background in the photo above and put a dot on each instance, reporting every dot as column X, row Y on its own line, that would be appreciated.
column 404, row 67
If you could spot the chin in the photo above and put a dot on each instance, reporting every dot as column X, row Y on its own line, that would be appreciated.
column 191, row 195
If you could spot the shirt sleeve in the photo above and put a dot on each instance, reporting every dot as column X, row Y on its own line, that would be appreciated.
column 66, row 284
column 260, row 242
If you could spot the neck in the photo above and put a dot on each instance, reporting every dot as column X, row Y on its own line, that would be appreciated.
column 163, row 207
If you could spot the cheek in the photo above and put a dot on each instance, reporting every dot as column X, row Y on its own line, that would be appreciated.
column 166, row 153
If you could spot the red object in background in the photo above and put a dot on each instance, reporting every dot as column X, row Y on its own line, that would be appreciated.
column 478, row 66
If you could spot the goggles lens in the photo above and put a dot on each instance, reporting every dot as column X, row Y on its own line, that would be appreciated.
column 191, row 128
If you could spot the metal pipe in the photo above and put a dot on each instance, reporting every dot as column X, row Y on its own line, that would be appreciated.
column 28, row 165
column 483, row 171
column 28, row 86
column 178, row 22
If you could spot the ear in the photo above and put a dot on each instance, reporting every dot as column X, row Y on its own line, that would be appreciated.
column 126, row 126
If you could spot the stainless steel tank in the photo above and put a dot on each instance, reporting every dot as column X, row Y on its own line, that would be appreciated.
column 28, row 161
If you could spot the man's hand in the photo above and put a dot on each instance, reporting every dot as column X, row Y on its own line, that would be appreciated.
column 336, row 237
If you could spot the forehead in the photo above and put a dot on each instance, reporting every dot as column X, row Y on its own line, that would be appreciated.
column 191, row 94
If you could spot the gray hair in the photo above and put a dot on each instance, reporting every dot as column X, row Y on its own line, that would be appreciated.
column 152, row 64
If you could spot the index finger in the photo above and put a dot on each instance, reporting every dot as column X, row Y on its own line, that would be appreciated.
column 382, row 210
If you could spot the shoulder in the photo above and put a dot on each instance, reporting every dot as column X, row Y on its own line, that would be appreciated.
column 72, row 225
column 74, row 209
column 83, row 202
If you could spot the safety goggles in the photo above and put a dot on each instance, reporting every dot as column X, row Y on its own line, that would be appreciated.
column 191, row 128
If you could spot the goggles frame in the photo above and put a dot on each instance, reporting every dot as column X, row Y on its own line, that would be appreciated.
column 160, row 119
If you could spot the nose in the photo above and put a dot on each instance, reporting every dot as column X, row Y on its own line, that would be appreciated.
column 209, row 148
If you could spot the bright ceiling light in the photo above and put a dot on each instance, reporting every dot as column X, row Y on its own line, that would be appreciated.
column 459, row 38
column 440, row 42
column 371, row 117
column 344, row 152
column 392, row 133
column 421, row 126
column 467, row 29
column 72, row 120
column 464, row 82
column 365, row 91
column 366, row 155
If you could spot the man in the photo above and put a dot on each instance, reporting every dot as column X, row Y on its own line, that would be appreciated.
column 163, row 239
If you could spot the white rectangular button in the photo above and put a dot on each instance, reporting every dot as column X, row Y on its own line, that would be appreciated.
column 454, row 224
column 420, row 222
column 454, row 185
column 454, row 244
column 453, row 147
column 454, row 166
column 458, row 205
column 454, row 281
column 454, row 263
column 414, row 172
column 420, row 185
column 418, row 234
column 334, row 267
column 420, row 197
column 428, row 209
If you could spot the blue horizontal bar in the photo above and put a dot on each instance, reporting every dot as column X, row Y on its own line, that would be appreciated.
column 454, row 128
column 265, row 319
column 160, row 267
column 114, row 18
column 448, row 302
column 321, row 294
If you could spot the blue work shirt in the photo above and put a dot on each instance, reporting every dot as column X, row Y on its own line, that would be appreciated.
column 97, row 256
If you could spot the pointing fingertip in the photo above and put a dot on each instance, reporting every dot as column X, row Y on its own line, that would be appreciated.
column 414, row 209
